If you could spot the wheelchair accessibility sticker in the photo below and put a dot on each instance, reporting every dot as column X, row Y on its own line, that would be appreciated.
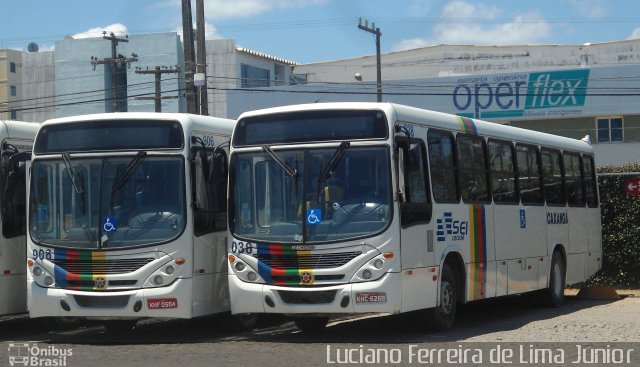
column 109, row 224
column 314, row 216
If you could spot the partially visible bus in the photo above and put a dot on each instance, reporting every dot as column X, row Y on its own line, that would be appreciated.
column 16, row 140
column 127, row 217
column 346, row 208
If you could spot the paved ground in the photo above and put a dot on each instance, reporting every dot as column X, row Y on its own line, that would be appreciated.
column 509, row 323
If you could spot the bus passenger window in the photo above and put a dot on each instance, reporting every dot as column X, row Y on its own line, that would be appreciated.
column 552, row 177
column 416, row 207
column 443, row 167
column 472, row 169
column 503, row 173
column 573, row 175
column 529, row 174
column 590, row 187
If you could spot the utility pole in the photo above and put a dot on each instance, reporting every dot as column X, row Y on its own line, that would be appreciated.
column 158, row 71
column 202, row 57
column 189, row 56
column 376, row 31
column 116, row 62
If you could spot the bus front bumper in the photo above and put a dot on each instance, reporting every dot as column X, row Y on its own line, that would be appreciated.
column 171, row 301
column 381, row 296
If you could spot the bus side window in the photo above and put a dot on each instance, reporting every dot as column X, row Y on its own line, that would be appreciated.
column 503, row 172
column 590, row 186
column 442, row 162
column 416, row 207
column 14, row 213
column 472, row 169
column 209, row 178
column 554, row 187
column 573, row 175
column 529, row 184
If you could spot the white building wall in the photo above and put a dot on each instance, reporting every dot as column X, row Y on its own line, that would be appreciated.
column 39, row 86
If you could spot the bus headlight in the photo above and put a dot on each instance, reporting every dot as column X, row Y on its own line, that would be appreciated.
column 242, row 267
column 157, row 280
column 48, row 281
column 40, row 275
column 373, row 269
column 166, row 274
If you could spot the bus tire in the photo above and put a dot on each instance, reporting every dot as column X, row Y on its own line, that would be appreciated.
column 117, row 327
column 245, row 322
column 553, row 296
column 441, row 317
column 310, row 323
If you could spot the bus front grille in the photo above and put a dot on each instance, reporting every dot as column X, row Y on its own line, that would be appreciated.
column 308, row 298
column 312, row 261
column 102, row 302
column 102, row 266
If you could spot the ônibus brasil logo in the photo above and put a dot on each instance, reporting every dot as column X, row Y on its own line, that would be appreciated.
column 26, row 354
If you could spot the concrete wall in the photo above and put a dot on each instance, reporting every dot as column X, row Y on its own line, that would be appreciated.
column 8, row 79
column 452, row 60
column 39, row 86
column 82, row 90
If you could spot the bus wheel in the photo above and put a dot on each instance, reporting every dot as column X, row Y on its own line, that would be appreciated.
column 311, row 323
column 60, row 323
column 554, row 295
column 119, row 326
column 245, row 322
column 440, row 318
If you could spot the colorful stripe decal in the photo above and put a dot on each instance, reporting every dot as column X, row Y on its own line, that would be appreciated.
column 66, row 280
column 478, row 252
column 268, row 273
column 467, row 125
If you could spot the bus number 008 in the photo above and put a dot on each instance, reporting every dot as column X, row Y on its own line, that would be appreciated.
column 241, row 247
column 42, row 254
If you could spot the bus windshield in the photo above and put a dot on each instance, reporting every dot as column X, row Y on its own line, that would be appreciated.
column 112, row 202
column 310, row 195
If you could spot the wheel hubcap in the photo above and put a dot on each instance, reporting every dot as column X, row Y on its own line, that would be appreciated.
column 557, row 279
column 448, row 298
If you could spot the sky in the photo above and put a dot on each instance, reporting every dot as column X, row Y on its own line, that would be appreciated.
column 307, row 31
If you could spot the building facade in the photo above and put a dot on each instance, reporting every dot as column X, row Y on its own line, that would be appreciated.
column 571, row 91
column 10, row 84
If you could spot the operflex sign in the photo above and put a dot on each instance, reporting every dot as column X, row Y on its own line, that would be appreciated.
column 538, row 94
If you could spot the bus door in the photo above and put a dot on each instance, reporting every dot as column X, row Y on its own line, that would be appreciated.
column 416, row 232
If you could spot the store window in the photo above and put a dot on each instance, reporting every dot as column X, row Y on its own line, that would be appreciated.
column 609, row 129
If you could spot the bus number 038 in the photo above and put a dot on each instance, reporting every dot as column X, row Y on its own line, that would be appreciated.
column 241, row 247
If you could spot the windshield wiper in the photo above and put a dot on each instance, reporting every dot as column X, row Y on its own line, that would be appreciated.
column 290, row 171
column 333, row 162
column 125, row 175
column 71, row 170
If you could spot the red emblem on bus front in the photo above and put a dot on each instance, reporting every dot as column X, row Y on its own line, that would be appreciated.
column 306, row 278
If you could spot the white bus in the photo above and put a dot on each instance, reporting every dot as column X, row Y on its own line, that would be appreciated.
column 127, row 217
column 343, row 208
column 16, row 140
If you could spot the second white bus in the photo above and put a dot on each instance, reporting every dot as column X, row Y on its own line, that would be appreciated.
column 359, row 207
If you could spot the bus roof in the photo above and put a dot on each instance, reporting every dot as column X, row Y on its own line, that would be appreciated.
column 189, row 121
column 437, row 120
column 18, row 129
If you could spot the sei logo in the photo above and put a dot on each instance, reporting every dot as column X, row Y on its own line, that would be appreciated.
column 448, row 226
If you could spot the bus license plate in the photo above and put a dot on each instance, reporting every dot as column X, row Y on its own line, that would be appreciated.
column 371, row 297
column 155, row 304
